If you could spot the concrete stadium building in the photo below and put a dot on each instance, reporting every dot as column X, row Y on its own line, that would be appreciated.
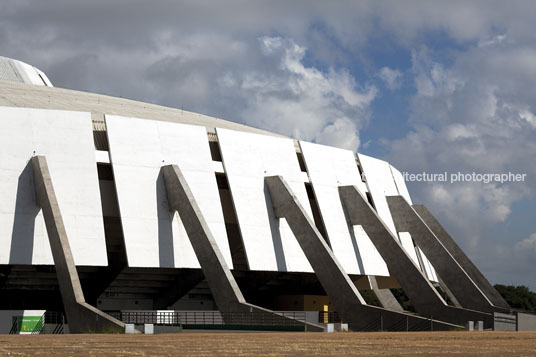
column 110, row 205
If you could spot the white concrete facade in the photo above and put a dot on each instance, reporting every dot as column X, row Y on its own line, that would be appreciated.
column 329, row 168
column 154, row 236
column 247, row 159
column 66, row 139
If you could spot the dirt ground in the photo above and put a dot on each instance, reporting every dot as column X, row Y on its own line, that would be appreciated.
column 275, row 344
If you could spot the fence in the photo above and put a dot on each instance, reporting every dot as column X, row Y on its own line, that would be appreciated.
column 389, row 323
column 504, row 322
column 263, row 321
column 328, row 317
column 54, row 323
column 283, row 321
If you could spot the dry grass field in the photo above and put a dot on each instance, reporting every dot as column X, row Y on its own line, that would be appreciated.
column 487, row 344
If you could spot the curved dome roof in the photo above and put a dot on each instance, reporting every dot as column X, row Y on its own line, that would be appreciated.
column 16, row 71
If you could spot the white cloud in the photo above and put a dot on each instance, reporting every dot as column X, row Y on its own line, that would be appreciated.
column 528, row 116
column 302, row 102
column 459, row 131
column 493, row 41
column 470, row 117
column 336, row 134
column 391, row 77
column 431, row 78
column 264, row 84
column 527, row 245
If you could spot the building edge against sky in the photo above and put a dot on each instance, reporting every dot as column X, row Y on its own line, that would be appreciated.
column 109, row 204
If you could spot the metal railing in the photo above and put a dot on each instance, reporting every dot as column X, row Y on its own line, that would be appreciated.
column 403, row 324
column 328, row 317
column 54, row 323
column 288, row 320
column 504, row 322
column 263, row 321
column 381, row 323
column 16, row 325
column 39, row 326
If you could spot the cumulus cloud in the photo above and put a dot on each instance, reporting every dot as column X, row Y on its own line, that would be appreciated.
column 493, row 41
column 391, row 77
column 527, row 245
column 303, row 102
column 471, row 117
column 528, row 116
column 264, row 84
column 216, row 69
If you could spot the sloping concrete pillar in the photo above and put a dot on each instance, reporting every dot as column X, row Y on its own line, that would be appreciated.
column 457, row 253
column 417, row 287
column 441, row 283
column 385, row 296
column 455, row 278
column 81, row 316
column 341, row 290
column 447, row 291
column 221, row 282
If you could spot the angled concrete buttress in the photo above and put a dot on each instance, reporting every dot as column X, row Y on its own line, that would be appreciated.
column 447, row 291
column 417, row 287
column 81, row 316
column 462, row 259
column 342, row 292
column 221, row 282
column 468, row 294
column 385, row 296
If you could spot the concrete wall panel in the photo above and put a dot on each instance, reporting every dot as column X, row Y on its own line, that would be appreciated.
column 154, row 236
column 407, row 244
column 248, row 158
column 66, row 139
column 526, row 322
column 380, row 183
column 400, row 184
column 329, row 168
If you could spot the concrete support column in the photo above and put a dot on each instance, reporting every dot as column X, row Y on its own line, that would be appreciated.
column 462, row 259
column 221, row 282
column 341, row 290
column 81, row 316
column 417, row 287
column 447, row 291
column 455, row 278
column 224, row 288
column 385, row 296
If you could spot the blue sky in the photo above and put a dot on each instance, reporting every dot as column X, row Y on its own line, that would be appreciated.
column 428, row 85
